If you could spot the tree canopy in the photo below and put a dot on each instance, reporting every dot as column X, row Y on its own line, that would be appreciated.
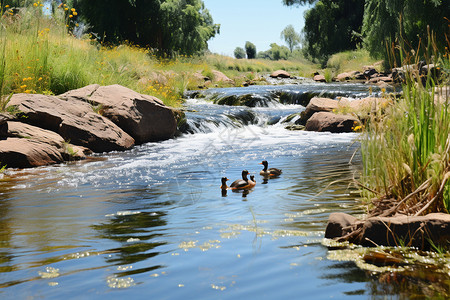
column 330, row 27
column 405, row 21
column 250, row 48
column 336, row 25
column 171, row 26
column 291, row 37
column 239, row 53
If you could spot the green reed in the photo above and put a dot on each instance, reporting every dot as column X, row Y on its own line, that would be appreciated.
column 406, row 151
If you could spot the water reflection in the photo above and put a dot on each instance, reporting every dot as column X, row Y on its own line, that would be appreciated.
column 139, row 234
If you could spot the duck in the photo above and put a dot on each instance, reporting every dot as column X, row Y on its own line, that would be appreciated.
column 272, row 172
column 252, row 180
column 242, row 184
column 224, row 185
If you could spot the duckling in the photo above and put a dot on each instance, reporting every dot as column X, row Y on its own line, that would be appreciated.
column 224, row 185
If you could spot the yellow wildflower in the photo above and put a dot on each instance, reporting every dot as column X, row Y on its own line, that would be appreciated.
column 70, row 16
column 75, row 13
column 6, row 6
column 73, row 9
column 23, row 86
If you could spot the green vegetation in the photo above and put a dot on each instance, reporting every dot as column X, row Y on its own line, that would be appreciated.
column 276, row 52
column 291, row 37
column 351, row 60
column 406, row 151
column 171, row 26
column 331, row 27
column 386, row 23
column 335, row 26
column 239, row 53
column 250, row 49
column 38, row 55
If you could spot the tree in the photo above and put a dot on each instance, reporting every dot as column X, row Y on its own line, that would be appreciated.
column 239, row 53
column 171, row 26
column 291, row 37
column 275, row 52
column 331, row 26
column 250, row 48
column 404, row 21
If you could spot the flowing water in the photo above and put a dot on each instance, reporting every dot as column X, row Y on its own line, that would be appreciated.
column 153, row 223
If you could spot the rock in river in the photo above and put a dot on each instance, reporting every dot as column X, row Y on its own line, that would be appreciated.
column 74, row 120
column 143, row 117
column 25, row 153
column 328, row 121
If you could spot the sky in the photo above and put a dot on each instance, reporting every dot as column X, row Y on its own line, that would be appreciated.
column 257, row 21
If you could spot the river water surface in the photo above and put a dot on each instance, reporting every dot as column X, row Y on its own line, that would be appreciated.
column 152, row 222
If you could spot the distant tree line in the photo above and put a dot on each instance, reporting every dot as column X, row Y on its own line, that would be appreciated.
column 332, row 26
column 276, row 52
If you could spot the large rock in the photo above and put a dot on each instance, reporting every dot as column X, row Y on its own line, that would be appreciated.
column 317, row 104
column 328, row 121
column 387, row 79
column 26, row 153
column 74, row 120
column 280, row 74
column 414, row 231
column 143, row 117
column 343, row 76
column 67, row 150
column 220, row 77
column 26, row 131
column 320, row 78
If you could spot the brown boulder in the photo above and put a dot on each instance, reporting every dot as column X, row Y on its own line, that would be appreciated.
column 415, row 231
column 343, row 76
column 280, row 74
column 328, row 121
column 26, row 153
column 143, row 117
column 386, row 79
column 74, row 120
column 319, row 78
column 220, row 77
column 26, row 131
column 317, row 104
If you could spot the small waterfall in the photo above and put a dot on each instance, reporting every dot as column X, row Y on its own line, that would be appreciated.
column 221, row 108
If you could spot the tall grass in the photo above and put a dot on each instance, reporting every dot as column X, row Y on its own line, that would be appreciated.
column 350, row 61
column 406, row 152
column 39, row 54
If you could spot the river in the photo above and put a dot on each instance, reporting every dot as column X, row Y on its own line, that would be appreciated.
column 152, row 222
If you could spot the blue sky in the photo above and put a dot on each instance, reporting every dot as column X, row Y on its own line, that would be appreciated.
column 257, row 21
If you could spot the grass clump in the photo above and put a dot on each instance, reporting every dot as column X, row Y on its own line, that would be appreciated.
column 406, row 152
